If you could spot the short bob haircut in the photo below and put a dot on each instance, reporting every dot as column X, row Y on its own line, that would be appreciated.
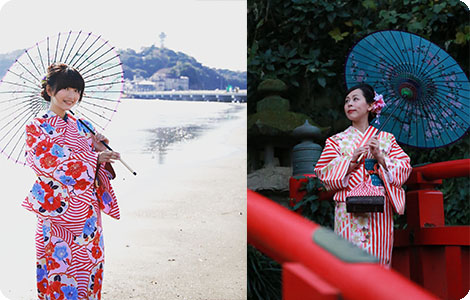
column 61, row 76
column 368, row 93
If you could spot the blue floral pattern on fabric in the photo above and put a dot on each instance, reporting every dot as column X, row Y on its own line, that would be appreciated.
column 106, row 198
column 67, row 180
column 38, row 192
column 41, row 273
column 90, row 226
column 57, row 151
column 70, row 292
column 60, row 252
column 82, row 128
column 47, row 127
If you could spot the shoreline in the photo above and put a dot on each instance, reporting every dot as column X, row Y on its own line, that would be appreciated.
column 186, row 243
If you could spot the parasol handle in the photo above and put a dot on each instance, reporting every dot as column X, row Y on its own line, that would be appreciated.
column 106, row 145
column 109, row 148
column 382, row 126
column 127, row 166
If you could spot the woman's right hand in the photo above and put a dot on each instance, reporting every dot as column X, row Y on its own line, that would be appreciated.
column 358, row 152
column 108, row 156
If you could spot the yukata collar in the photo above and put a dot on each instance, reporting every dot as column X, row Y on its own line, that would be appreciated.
column 50, row 114
column 369, row 128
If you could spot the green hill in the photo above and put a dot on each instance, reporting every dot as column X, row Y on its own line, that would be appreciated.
column 154, row 59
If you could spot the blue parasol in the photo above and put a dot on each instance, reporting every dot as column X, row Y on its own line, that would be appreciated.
column 426, row 92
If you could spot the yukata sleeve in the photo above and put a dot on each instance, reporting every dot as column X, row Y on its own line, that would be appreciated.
column 104, row 173
column 75, row 169
column 399, row 169
column 332, row 167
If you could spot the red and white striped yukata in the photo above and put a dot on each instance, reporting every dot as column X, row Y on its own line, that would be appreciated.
column 370, row 231
column 69, row 238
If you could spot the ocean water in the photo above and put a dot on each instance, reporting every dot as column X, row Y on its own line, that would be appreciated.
column 157, row 138
column 158, row 128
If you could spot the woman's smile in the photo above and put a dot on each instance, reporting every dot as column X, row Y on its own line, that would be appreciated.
column 64, row 100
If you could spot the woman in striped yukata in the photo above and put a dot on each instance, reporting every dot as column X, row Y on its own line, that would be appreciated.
column 340, row 171
column 72, row 188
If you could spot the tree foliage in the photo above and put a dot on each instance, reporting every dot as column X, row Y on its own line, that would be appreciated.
column 152, row 59
column 305, row 44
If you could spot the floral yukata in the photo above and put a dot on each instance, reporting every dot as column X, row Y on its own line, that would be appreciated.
column 370, row 231
column 70, row 191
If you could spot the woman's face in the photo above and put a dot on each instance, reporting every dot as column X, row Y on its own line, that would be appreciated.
column 355, row 106
column 63, row 99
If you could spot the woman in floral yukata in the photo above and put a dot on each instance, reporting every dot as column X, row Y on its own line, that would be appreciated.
column 72, row 188
column 340, row 170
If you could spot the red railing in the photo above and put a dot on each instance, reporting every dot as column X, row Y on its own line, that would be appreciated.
column 311, row 271
column 428, row 252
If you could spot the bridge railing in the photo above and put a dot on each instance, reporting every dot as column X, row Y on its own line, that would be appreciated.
column 428, row 252
column 316, row 263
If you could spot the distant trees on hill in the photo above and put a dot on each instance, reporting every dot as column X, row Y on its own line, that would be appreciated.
column 174, row 64
column 154, row 59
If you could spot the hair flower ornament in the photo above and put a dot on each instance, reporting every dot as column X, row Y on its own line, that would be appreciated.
column 378, row 105
column 44, row 81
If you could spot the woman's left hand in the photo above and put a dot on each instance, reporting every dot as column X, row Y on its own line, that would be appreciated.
column 374, row 148
column 97, row 142
column 375, row 151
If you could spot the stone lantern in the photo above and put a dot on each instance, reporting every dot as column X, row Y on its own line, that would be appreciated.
column 270, row 141
column 305, row 154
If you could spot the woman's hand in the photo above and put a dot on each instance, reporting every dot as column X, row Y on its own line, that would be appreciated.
column 374, row 148
column 375, row 151
column 358, row 152
column 97, row 138
column 108, row 156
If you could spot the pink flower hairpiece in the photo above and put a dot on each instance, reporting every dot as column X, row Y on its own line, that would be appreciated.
column 379, row 103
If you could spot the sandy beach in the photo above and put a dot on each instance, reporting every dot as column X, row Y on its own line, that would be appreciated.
column 182, row 234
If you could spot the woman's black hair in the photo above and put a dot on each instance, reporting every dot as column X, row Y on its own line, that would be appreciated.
column 61, row 76
column 368, row 93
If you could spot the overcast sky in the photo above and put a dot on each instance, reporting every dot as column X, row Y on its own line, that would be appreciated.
column 212, row 31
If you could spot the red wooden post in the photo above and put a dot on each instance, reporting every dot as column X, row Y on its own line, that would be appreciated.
column 428, row 252
column 295, row 194
column 453, row 261
column 424, row 204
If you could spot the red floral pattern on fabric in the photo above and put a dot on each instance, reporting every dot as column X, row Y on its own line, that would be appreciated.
column 62, row 287
column 43, row 286
column 82, row 184
column 49, row 161
column 32, row 130
column 51, row 264
column 75, row 169
column 43, row 147
column 96, row 281
column 96, row 252
column 51, row 203
column 96, row 248
column 30, row 140
column 48, row 197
